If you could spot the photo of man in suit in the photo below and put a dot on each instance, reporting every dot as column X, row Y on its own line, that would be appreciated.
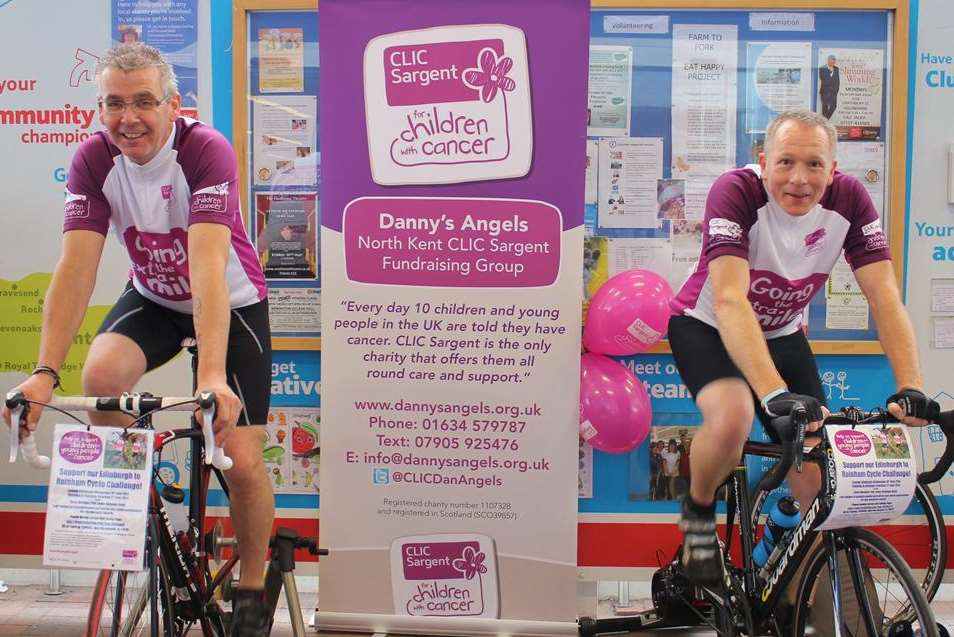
column 828, row 81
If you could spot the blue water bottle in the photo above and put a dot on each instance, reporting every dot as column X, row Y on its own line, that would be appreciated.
column 783, row 516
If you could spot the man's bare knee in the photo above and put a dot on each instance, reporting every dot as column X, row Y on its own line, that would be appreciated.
column 727, row 410
column 244, row 446
column 732, row 431
column 99, row 379
column 114, row 365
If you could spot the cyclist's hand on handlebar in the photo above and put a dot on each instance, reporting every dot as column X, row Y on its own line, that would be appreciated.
column 228, row 408
column 788, row 403
column 39, row 388
column 912, row 407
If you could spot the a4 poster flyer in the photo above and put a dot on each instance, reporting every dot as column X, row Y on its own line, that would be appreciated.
column 453, row 160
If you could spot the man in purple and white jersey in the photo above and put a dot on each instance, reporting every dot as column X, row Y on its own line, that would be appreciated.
column 167, row 186
column 771, row 236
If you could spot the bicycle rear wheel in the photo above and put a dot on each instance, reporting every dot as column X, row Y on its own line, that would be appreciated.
column 891, row 597
column 919, row 536
column 120, row 605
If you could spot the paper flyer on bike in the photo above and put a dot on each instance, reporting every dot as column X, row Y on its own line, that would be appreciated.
column 99, row 492
column 874, row 474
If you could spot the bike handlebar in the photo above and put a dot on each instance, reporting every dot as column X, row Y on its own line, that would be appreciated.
column 793, row 438
column 945, row 421
column 791, row 431
column 135, row 404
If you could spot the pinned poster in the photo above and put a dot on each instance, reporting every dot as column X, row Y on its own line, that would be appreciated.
column 875, row 474
column 451, row 286
column 171, row 27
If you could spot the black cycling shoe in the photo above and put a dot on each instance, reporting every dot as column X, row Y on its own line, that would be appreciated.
column 701, row 553
column 249, row 618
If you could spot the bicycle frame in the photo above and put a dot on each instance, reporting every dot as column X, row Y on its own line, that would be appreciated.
column 178, row 560
column 186, row 573
column 183, row 555
column 763, row 596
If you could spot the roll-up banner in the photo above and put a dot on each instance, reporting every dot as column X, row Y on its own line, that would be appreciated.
column 453, row 160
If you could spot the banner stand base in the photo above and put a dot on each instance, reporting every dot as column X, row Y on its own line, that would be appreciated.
column 449, row 626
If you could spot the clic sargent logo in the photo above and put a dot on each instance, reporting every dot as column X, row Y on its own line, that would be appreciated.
column 448, row 105
column 875, row 236
column 211, row 199
column 872, row 228
column 724, row 230
column 445, row 575
column 76, row 206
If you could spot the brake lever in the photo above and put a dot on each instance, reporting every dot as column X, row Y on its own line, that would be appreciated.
column 214, row 455
column 17, row 407
column 800, row 422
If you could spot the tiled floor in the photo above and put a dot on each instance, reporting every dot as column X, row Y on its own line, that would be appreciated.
column 27, row 610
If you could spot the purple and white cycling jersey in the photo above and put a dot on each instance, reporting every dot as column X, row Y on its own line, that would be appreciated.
column 193, row 179
column 790, row 258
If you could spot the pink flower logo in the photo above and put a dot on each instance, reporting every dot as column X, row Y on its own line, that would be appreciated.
column 471, row 562
column 489, row 75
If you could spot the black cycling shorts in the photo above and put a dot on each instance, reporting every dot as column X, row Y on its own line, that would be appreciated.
column 702, row 358
column 159, row 332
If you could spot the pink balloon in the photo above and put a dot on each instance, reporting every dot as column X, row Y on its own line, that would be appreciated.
column 628, row 314
column 615, row 413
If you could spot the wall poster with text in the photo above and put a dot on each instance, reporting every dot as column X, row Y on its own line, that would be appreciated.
column 287, row 238
column 452, row 230
column 283, row 167
column 172, row 26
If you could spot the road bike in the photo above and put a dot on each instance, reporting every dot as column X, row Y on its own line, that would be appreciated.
column 872, row 588
column 920, row 535
column 184, row 584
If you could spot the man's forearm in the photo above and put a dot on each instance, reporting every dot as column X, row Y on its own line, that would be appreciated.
column 211, row 317
column 742, row 336
column 895, row 331
column 899, row 343
column 63, row 310
column 208, row 259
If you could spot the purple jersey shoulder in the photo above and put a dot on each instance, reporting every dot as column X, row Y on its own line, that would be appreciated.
column 86, row 207
column 865, row 241
column 206, row 156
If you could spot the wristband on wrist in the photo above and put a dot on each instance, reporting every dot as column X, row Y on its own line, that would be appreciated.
column 49, row 371
column 772, row 394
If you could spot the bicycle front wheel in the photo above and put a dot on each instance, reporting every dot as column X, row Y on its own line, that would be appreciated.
column 921, row 539
column 891, row 601
column 120, row 605
column 919, row 536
